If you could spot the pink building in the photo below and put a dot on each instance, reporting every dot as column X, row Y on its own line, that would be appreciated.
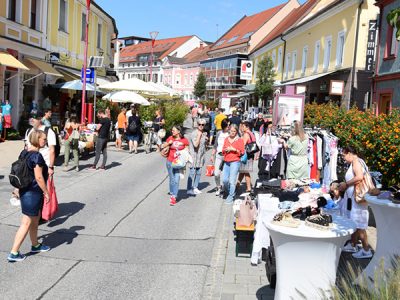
column 181, row 73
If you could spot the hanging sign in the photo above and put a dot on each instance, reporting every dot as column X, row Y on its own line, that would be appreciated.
column 246, row 69
column 371, row 45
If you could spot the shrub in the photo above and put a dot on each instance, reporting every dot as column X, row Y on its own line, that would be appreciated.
column 376, row 138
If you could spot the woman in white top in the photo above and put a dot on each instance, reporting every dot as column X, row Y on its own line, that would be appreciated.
column 359, row 211
column 216, row 157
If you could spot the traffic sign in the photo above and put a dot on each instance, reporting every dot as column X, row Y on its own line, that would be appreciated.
column 89, row 75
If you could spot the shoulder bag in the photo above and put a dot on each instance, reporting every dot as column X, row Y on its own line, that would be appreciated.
column 362, row 188
column 247, row 213
column 50, row 208
column 251, row 147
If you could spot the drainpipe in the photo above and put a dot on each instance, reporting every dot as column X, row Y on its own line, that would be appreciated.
column 283, row 57
column 353, row 70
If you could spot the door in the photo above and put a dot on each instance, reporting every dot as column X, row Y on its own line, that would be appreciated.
column 384, row 103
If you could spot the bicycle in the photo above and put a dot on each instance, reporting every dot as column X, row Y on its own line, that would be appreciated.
column 150, row 138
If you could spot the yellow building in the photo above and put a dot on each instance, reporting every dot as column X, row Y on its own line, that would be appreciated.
column 325, row 51
column 41, row 41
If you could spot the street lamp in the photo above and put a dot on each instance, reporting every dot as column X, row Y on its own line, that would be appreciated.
column 153, row 35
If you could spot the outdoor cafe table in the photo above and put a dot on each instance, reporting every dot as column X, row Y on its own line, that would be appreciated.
column 307, row 258
column 387, row 218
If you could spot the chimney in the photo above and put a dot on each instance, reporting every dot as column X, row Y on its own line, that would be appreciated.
column 201, row 45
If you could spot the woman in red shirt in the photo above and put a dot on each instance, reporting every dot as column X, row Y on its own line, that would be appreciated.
column 245, row 169
column 232, row 150
column 174, row 142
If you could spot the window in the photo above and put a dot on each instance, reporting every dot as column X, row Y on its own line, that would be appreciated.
column 62, row 22
column 304, row 60
column 186, row 79
column 391, row 42
column 178, row 78
column 99, row 35
column 327, row 52
column 14, row 7
column 191, row 79
column 232, row 39
column 248, row 34
column 274, row 57
column 33, row 15
column 294, row 62
column 83, row 32
column 340, row 49
column 220, row 43
column 279, row 59
column 287, row 62
column 316, row 55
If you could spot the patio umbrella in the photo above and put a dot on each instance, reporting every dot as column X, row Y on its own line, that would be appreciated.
column 163, row 88
column 126, row 97
column 132, row 84
column 76, row 85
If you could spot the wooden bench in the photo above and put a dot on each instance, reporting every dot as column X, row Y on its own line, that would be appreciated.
column 244, row 234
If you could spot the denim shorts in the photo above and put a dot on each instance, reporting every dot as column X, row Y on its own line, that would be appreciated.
column 31, row 203
column 134, row 137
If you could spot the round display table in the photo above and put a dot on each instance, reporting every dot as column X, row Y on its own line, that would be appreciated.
column 307, row 258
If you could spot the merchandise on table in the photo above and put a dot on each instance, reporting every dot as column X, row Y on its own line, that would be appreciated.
column 320, row 221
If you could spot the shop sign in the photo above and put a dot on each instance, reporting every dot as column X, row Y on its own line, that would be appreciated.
column 54, row 57
column 288, row 109
column 301, row 89
column 246, row 69
column 371, row 45
column 336, row 87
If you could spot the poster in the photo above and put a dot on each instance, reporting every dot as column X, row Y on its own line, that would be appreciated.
column 288, row 109
column 246, row 69
column 226, row 105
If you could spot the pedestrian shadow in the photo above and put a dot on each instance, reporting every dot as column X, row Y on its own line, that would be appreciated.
column 203, row 185
column 265, row 292
column 61, row 236
column 113, row 165
column 1, row 177
column 65, row 210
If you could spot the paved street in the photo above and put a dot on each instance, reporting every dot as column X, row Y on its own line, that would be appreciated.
column 115, row 236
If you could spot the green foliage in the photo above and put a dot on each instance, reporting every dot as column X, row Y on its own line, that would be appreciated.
column 147, row 113
column 393, row 18
column 200, row 85
column 265, row 78
column 174, row 113
column 386, row 284
column 210, row 103
column 103, row 104
column 376, row 138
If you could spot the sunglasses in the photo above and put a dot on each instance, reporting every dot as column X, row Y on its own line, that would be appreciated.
column 201, row 124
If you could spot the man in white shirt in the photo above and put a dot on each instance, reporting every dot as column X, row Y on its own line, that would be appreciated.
column 48, row 151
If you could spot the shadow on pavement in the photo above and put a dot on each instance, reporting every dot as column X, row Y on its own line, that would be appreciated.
column 62, row 236
column 265, row 292
column 65, row 210
column 113, row 165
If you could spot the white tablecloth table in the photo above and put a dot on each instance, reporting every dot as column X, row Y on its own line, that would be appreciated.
column 307, row 258
column 267, row 209
column 387, row 218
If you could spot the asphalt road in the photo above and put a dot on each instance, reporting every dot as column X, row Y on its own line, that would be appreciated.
column 115, row 236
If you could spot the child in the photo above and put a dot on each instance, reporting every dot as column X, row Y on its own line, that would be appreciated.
column 337, row 197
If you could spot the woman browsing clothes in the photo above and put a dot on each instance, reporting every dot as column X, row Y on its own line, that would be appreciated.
column 359, row 211
column 32, row 197
column 232, row 150
column 175, row 143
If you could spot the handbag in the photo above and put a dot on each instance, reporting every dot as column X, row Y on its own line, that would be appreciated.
column 251, row 147
column 247, row 213
column 243, row 158
column 362, row 188
column 178, row 161
column 210, row 170
column 161, row 133
column 50, row 208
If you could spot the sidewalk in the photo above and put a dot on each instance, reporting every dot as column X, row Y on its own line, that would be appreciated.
column 9, row 152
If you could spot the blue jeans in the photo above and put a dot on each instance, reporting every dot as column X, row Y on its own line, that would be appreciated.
column 194, row 178
column 230, row 173
column 174, row 176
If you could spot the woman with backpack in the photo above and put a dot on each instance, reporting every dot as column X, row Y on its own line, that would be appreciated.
column 133, row 131
column 32, row 197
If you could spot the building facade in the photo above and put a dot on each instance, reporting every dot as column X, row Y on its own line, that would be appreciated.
column 386, row 82
column 47, row 37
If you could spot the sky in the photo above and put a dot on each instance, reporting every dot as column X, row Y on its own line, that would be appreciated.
column 208, row 19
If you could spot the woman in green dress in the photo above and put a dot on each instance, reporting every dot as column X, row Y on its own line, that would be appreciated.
column 298, row 167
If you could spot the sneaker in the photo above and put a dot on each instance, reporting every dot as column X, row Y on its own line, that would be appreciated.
column 102, row 168
column 349, row 248
column 77, row 169
column 363, row 254
column 14, row 201
column 65, row 169
column 197, row 191
column 218, row 192
column 172, row 200
column 93, row 167
column 229, row 200
column 15, row 257
column 40, row 248
column 191, row 193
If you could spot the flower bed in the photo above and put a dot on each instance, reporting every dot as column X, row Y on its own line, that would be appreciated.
column 376, row 138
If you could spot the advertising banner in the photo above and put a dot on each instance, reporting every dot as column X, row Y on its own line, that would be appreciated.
column 288, row 109
column 246, row 69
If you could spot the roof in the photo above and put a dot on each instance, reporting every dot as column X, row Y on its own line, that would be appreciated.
column 197, row 55
column 287, row 22
column 161, row 49
column 242, row 31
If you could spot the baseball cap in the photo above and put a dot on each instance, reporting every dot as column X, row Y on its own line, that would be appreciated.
column 37, row 115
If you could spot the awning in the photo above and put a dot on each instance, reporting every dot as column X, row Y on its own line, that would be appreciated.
column 69, row 76
column 8, row 60
column 249, row 87
column 307, row 78
column 239, row 95
column 44, row 67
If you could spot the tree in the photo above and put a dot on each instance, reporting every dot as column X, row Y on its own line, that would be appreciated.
column 265, row 79
column 200, row 85
column 393, row 18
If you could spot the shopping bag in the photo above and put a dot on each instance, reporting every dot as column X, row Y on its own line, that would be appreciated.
column 247, row 212
column 362, row 188
column 50, row 208
column 178, row 161
column 243, row 158
column 210, row 170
